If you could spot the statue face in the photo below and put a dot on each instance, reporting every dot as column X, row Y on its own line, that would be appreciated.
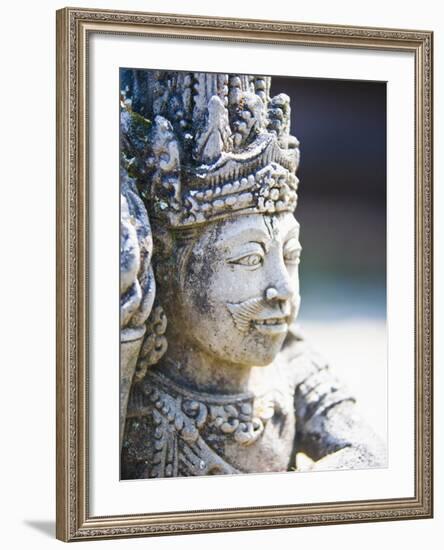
column 239, row 288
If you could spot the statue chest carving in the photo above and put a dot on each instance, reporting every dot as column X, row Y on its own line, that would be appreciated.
column 171, row 431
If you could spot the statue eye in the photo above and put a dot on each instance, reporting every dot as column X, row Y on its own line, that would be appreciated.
column 292, row 256
column 250, row 260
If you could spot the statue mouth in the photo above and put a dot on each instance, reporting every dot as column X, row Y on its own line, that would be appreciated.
column 271, row 325
column 255, row 314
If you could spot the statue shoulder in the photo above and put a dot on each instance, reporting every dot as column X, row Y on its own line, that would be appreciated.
column 316, row 388
column 329, row 425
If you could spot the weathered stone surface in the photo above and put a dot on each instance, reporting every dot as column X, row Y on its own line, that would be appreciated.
column 221, row 380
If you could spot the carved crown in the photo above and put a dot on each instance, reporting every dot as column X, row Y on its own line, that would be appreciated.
column 206, row 146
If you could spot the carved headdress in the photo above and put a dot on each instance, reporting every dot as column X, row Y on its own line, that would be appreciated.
column 206, row 146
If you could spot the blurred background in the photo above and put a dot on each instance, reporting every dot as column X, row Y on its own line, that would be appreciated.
column 341, row 126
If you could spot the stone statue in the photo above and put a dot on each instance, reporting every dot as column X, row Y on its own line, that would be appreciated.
column 216, row 378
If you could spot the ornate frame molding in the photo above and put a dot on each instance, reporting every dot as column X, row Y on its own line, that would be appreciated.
column 73, row 519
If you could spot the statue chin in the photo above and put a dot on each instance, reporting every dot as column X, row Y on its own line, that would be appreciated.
column 249, row 352
column 262, row 353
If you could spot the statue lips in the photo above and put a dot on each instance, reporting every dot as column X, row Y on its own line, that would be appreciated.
column 271, row 326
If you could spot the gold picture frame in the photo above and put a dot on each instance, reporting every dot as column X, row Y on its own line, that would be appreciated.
column 74, row 27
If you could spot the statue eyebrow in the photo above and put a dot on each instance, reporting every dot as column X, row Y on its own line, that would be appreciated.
column 251, row 234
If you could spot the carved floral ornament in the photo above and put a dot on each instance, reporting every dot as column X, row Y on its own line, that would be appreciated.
column 239, row 160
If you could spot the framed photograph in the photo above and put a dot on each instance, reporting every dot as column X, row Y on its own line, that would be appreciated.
column 244, row 274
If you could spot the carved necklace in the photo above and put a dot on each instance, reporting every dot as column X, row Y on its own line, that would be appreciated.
column 241, row 416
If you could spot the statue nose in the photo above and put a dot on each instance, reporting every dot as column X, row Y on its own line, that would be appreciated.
column 280, row 299
column 272, row 293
